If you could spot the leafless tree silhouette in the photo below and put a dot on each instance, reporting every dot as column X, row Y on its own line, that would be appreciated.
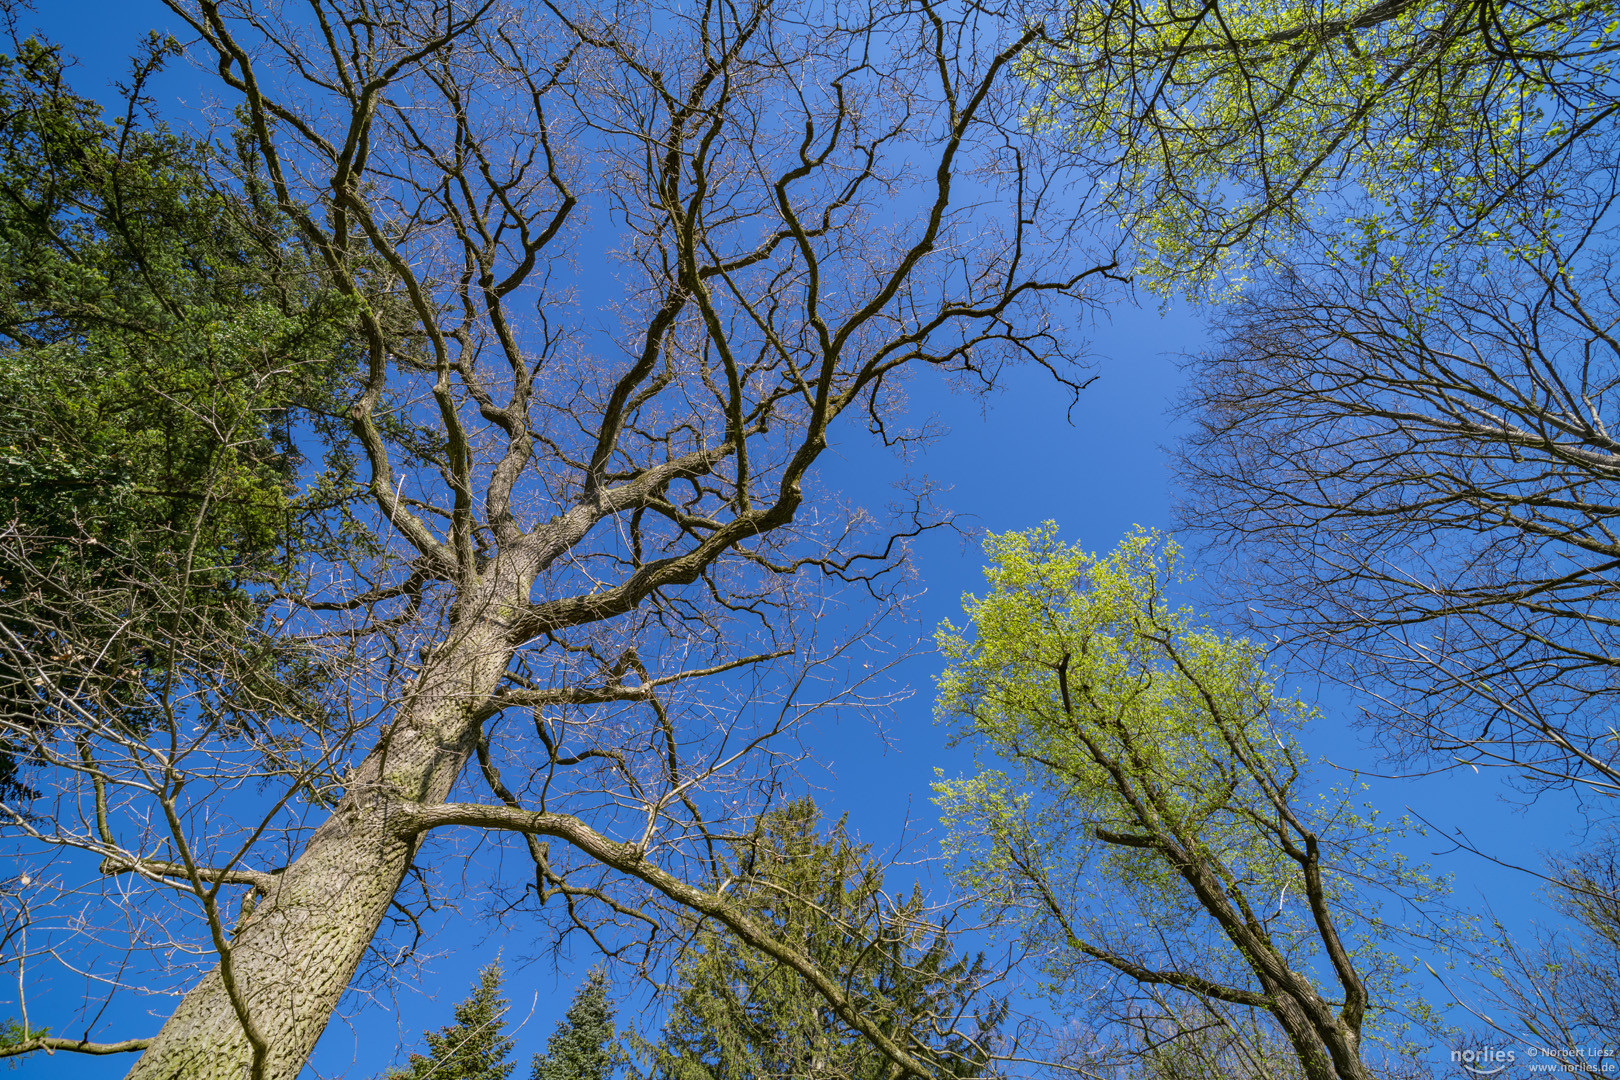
column 593, row 556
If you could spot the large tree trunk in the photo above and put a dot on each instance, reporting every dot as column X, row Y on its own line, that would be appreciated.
column 289, row 962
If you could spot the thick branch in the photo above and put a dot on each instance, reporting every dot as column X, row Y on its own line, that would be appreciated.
column 631, row 859
column 51, row 1044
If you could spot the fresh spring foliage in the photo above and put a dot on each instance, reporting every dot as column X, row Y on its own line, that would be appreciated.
column 1159, row 820
column 1224, row 125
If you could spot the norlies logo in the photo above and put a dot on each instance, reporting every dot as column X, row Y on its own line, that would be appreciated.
column 1484, row 1060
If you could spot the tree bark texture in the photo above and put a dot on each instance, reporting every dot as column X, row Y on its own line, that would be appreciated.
column 261, row 1011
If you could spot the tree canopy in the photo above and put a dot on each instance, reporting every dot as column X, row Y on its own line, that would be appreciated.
column 568, row 520
column 160, row 332
column 1401, row 218
column 1240, row 135
column 1160, row 828
column 431, row 465
column 161, row 337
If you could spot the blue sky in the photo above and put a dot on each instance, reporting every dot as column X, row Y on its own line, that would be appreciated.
column 1012, row 461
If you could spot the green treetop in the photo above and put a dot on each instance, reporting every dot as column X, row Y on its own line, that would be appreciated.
column 475, row 1047
column 738, row 1015
column 582, row 1047
column 162, row 341
column 157, row 332
column 1159, row 832
column 1224, row 124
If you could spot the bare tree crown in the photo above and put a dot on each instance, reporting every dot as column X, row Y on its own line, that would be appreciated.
column 562, row 507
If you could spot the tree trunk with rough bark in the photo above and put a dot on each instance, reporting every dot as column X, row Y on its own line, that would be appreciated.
column 260, row 1012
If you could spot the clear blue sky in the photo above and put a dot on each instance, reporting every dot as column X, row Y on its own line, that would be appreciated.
column 1014, row 461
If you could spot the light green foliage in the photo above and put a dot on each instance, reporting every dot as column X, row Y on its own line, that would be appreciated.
column 475, row 1047
column 1171, row 701
column 738, row 1015
column 1158, row 819
column 1225, row 123
column 582, row 1047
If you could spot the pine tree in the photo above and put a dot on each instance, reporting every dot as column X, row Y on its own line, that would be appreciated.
column 581, row 1047
column 738, row 1015
column 475, row 1047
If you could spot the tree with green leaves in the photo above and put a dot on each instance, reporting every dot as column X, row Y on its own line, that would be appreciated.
column 1239, row 134
column 582, row 1047
column 1403, row 438
column 475, row 1046
column 1404, row 432
column 1159, row 834
column 162, row 334
column 740, row 1015
column 161, row 337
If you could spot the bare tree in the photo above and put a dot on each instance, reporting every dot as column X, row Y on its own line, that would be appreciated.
column 1420, row 467
column 577, row 507
column 1556, row 1000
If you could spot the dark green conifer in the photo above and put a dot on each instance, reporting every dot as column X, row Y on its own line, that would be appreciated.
column 739, row 1015
column 582, row 1046
column 475, row 1047
column 163, row 336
